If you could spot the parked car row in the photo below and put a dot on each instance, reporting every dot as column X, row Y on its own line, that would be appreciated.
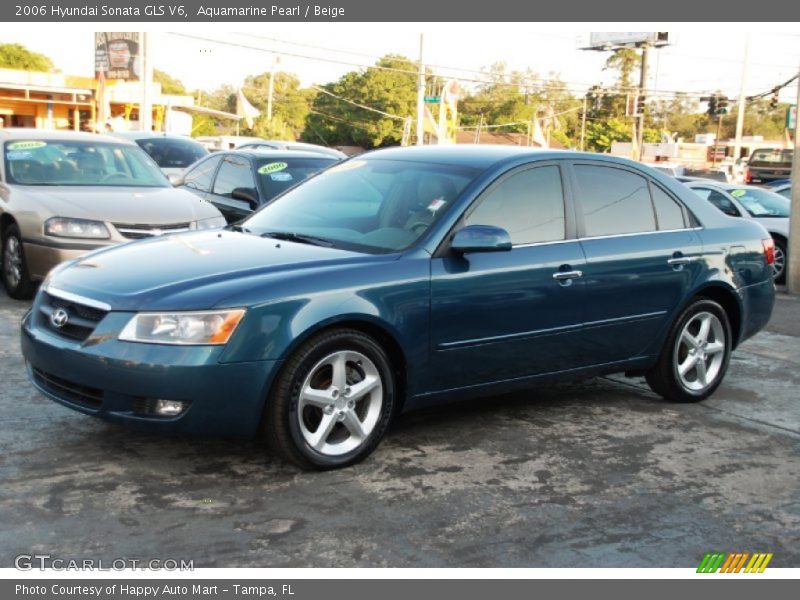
column 63, row 194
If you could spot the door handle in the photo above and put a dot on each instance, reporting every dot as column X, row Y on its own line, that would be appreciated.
column 564, row 275
column 679, row 261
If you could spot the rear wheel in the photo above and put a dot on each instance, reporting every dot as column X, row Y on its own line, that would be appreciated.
column 779, row 264
column 15, row 276
column 696, row 354
column 333, row 401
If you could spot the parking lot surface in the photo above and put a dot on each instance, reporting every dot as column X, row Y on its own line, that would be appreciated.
column 600, row 473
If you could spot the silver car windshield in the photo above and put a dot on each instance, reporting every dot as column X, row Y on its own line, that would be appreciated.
column 79, row 163
column 762, row 203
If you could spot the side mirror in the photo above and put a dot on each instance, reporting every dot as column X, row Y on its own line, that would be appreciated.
column 248, row 195
column 175, row 179
column 481, row 238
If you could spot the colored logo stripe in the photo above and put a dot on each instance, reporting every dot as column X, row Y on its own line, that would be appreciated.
column 733, row 563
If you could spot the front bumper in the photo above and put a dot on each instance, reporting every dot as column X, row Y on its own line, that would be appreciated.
column 41, row 258
column 119, row 381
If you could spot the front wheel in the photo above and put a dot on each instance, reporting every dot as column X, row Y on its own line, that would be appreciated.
column 695, row 356
column 332, row 402
column 15, row 276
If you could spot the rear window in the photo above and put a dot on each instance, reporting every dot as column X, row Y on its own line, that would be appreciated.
column 772, row 157
column 173, row 154
column 276, row 175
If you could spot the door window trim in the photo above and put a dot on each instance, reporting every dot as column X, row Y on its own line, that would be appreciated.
column 580, row 226
column 566, row 196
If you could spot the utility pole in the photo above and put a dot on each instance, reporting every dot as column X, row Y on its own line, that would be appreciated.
column 421, row 97
column 642, row 88
column 583, row 120
column 271, row 88
column 146, row 105
column 737, row 144
column 716, row 142
column 793, row 274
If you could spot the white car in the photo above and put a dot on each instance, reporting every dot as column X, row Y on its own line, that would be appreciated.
column 750, row 202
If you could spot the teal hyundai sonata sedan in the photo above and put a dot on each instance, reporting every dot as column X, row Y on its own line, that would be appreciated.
column 400, row 279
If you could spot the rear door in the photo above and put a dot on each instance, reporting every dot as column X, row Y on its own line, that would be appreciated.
column 505, row 315
column 641, row 258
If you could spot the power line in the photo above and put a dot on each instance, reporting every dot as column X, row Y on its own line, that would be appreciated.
column 375, row 110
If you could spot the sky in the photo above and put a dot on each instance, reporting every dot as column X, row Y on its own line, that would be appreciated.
column 701, row 58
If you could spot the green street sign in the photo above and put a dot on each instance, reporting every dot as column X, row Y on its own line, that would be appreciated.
column 432, row 99
column 791, row 117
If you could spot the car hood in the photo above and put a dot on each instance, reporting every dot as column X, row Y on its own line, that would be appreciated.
column 193, row 270
column 151, row 206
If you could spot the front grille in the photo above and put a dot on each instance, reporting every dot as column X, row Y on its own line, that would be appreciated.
column 138, row 231
column 68, row 390
column 81, row 319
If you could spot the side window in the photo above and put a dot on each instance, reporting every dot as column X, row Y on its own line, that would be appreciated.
column 668, row 212
column 529, row 205
column 199, row 178
column 234, row 173
column 613, row 201
column 719, row 200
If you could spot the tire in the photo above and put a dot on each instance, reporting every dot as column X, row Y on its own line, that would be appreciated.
column 318, row 416
column 697, row 382
column 14, row 269
column 781, row 261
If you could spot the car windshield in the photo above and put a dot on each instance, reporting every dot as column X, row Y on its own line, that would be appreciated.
column 374, row 206
column 761, row 203
column 80, row 163
column 276, row 175
column 171, row 153
column 771, row 157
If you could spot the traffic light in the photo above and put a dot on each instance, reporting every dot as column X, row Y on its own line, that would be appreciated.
column 773, row 103
column 712, row 106
column 640, row 100
column 722, row 105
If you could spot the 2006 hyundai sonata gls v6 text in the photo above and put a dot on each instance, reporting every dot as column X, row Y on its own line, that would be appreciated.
column 399, row 279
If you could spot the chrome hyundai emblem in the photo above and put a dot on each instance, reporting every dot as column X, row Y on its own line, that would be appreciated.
column 59, row 318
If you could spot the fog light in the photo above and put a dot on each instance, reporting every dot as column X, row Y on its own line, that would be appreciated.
column 169, row 408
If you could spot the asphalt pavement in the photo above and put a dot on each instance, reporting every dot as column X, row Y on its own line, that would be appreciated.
column 599, row 473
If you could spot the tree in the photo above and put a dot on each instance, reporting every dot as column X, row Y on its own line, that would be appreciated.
column 389, row 87
column 169, row 84
column 17, row 56
column 290, row 104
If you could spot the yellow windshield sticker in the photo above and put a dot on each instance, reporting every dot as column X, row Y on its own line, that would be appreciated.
column 272, row 168
column 26, row 145
column 738, row 193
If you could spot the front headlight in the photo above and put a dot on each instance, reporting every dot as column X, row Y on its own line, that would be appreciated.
column 213, row 327
column 212, row 223
column 76, row 228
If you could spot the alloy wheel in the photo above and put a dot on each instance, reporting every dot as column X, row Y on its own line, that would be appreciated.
column 699, row 351
column 12, row 261
column 340, row 403
column 779, row 262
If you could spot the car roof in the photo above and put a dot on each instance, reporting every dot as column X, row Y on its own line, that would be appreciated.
column 145, row 135
column 24, row 133
column 274, row 153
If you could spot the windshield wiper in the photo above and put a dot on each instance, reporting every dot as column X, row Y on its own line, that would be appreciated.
column 301, row 238
column 237, row 227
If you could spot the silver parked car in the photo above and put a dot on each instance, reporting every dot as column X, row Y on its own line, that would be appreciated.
column 759, row 204
column 63, row 194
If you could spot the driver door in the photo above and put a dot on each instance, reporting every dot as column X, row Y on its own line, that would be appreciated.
column 505, row 315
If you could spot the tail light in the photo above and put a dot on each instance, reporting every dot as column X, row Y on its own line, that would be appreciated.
column 748, row 176
column 769, row 250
